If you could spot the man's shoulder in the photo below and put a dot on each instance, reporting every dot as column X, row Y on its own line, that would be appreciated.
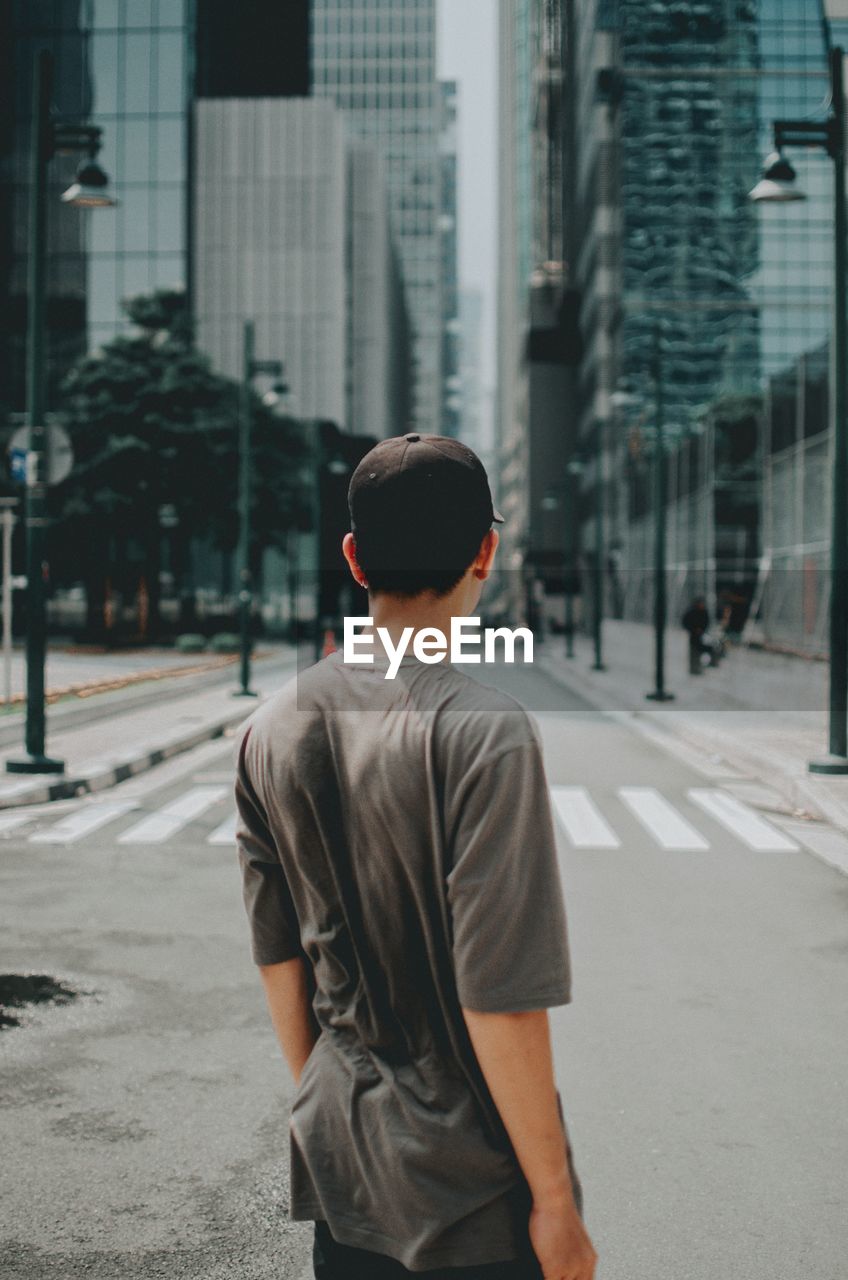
column 287, row 714
column 482, row 721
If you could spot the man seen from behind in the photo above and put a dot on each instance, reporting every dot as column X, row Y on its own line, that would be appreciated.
column 401, row 884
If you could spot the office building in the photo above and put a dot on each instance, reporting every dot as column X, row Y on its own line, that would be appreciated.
column 536, row 332
column 689, row 299
column 291, row 229
column 133, row 67
column 377, row 62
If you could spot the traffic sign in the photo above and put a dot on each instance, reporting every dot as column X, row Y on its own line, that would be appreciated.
column 60, row 455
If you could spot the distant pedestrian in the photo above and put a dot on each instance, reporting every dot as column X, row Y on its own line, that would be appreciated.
column 696, row 620
column 400, row 878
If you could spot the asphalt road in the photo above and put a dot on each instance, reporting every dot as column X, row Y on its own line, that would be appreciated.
column 701, row 1063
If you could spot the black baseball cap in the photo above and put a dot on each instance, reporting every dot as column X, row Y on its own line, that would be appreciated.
column 427, row 475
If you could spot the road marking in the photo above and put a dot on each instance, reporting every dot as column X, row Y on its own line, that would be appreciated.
column 11, row 821
column 157, row 827
column 83, row 822
column 226, row 833
column 582, row 821
column 741, row 821
column 661, row 820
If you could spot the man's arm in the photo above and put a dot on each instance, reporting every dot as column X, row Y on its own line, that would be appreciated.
column 514, row 1053
column 287, row 993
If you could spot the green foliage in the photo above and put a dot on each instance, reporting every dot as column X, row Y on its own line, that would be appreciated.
column 153, row 425
column 225, row 642
column 190, row 643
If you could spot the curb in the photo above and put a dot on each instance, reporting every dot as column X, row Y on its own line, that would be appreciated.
column 100, row 778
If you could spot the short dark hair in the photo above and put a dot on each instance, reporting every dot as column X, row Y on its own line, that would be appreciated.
column 428, row 560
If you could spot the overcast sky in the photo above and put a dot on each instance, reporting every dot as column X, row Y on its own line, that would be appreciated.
column 468, row 54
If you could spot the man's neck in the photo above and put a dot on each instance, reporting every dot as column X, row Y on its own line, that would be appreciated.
column 397, row 613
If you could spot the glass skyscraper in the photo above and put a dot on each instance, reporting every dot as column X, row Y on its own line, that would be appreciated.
column 689, row 291
column 140, row 60
column 377, row 60
column 133, row 67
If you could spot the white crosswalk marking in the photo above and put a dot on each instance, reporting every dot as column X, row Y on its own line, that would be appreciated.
column 741, row 821
column 582, row 821
column 160, row 826
column 661, row 820
column 226, row 833
column 82, row 822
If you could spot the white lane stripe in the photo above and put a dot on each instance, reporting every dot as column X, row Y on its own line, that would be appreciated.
column 583, row 823
column 83, row 822
column 741, row 821
column 226, row 833
column 157, row 827
column 661, row 820
column 11, row 821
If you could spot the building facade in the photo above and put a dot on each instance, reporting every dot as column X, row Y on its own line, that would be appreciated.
column 134, row 68
column 269, row 242
column 690, row 304
column 536, row 332
column 377, row 62
column 126, row 68
column 292, row 229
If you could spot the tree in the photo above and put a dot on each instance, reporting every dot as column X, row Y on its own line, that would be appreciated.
column 153, row 426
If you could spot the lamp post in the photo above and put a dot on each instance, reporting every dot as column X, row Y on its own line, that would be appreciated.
column 251, row 368
column 49, row 137
column 574, row 471
column 778, row 186
column 331, row 463
column 659, row 693
column 598, row 560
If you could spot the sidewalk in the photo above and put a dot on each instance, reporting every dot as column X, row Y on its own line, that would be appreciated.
column 761, row 713
column 123, row 742
column 85, row 670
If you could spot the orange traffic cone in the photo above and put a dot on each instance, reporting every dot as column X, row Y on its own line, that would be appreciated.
column 329, row 643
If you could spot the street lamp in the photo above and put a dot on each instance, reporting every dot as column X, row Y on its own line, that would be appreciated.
column 598, row 562
column 49, row 138
column 333, row 464
column 659, row 692
column 251, row 368
column 574, row 471
column 777, row 185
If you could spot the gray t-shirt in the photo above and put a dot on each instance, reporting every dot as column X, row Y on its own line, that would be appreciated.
column 397, row 834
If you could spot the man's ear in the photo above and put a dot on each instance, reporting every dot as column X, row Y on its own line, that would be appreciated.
column 482, row 566
column 349, row 552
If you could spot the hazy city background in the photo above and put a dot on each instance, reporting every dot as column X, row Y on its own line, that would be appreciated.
column 523, row 223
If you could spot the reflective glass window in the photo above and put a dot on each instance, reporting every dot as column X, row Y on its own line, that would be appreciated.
column 103, row 48
column 170, row 71
column 170, row 160
column 136, row 72
column 138, row 13
column 169, row 207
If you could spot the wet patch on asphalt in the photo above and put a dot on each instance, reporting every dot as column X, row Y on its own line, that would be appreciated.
column 20, row 991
